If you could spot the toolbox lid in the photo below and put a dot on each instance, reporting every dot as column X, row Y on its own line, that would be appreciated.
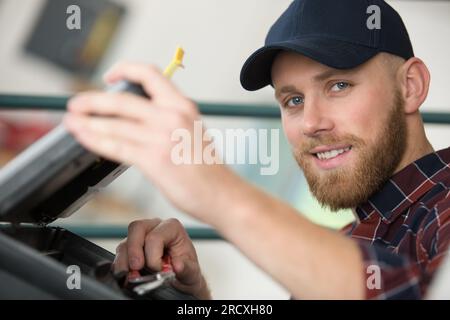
column 51, row 179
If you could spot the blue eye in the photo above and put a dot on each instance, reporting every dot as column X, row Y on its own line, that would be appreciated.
column 340, row 86
column 295, row 101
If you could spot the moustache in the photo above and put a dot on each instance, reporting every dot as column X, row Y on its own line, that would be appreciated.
column 349, row 139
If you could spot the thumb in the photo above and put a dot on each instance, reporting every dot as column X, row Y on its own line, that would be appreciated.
column 189, row 278
column 187, row 271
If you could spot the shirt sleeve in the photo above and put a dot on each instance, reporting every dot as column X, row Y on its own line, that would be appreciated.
column 388, row 275
column 394, row 276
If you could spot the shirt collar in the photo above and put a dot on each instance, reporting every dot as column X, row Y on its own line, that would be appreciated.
column 406, row 186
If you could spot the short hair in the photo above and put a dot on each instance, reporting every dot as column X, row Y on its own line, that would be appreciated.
column 392, row 62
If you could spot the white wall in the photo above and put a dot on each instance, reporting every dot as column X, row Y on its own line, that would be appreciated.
column 217, row 36
column 230, row 275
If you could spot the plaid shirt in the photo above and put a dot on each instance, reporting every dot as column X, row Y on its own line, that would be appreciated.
column 404, row 229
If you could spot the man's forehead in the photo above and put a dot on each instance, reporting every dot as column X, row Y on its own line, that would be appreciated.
column 312, row 70
column 321, row 75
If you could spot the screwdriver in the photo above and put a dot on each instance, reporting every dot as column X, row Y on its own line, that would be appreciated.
column 156, row 280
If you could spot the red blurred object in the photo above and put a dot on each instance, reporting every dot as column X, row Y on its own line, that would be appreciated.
column 16, row 136
column 134, row 274
column 165, row 273
column 167, row 264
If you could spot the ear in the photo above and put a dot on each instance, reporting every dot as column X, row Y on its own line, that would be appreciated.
column 415, row 82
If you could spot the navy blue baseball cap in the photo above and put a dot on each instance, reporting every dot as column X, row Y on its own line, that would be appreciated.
column 341, row 34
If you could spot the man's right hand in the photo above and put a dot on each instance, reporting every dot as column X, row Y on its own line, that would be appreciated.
column 149, row 240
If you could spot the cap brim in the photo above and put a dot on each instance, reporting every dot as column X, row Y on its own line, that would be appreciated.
column 256, row 72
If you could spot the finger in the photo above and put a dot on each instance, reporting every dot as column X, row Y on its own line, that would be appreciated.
column 187, row 270
column 114, row 148
column 137, row 231
column 154, row 251
column 168, row 236
column 125, row 105
column 121, row 259
column 164, row 236
column 118, row 148
column 111, row 78
column 116, row 128
column 152, row 80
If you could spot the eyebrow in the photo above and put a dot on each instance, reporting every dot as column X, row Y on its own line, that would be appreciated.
column 317, row 78
column 285, row 89
column 330, row 73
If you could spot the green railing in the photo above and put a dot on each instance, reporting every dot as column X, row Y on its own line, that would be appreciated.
column 28, row 102
column 120, row 232
column 15, row 102
column 23, row 102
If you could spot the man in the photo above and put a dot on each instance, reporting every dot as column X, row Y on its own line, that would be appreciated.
column 349, row 94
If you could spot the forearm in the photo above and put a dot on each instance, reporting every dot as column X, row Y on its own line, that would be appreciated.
column 308, row 260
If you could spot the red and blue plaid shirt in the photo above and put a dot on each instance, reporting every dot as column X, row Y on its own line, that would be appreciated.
column 404, row 229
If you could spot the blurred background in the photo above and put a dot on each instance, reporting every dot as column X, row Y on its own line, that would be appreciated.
column 40, row 56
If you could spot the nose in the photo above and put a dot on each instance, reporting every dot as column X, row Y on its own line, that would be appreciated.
column 316, row 119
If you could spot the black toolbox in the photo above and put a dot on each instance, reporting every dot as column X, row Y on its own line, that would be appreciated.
column 51, row 179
